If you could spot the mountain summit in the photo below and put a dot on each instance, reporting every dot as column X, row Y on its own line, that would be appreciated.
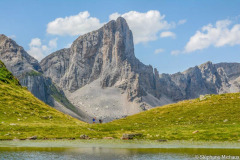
column 16, row 58
column 99, row 76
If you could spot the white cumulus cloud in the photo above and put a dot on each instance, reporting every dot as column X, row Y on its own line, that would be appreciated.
column 218, row 35
column 39, row 51
column 35, row 42
column 167, row 34
column 182, row 21
column 53, row 43
column 145, row 26
column 68, row 45
column 157, row 51
column 175, row 52
column 12, row 36
column 74, row 25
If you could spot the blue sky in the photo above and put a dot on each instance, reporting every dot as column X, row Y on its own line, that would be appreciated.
column 193, row 32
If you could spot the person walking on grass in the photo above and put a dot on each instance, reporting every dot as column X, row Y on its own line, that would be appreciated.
column 94, row 119
column 100, row 121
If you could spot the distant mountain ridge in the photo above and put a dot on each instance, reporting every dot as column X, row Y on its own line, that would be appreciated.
column 207, row 78
column 99, row 76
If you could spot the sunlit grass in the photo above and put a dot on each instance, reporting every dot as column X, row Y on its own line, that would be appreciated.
column 22, row 115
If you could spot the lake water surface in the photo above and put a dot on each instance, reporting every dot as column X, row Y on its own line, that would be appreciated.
column 115, row 149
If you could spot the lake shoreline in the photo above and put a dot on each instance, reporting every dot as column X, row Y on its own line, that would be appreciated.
column 116, row 143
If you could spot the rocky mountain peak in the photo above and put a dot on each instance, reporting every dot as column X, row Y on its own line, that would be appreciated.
column 98, row 54
column 17, row 60
column 115, row 38
column 8, row 43
column 207, row 66
column 3, row 38
column 104, row 60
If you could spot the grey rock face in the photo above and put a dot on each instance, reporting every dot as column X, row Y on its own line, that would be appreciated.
column 106, row 54
column 56, row 64
column 232, row 70
column 16, row 58
column 37, row 85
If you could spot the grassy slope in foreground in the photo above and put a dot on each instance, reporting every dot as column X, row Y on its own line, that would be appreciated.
column 22, row 115
column 215, row 118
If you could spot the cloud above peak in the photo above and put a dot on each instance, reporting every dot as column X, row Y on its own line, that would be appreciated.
column 35, row 42
column 74, row 25
column 167, row 34
column 145, row 26
column 182, row 21
column 218, row 35
column 38, row 50
column 159, row 50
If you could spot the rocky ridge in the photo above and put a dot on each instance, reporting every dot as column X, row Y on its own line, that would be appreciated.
column 207, row 78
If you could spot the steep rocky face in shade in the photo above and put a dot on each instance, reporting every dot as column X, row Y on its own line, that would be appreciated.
column 56, row 64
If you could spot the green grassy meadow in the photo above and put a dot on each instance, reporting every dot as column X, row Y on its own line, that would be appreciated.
column 217, row 118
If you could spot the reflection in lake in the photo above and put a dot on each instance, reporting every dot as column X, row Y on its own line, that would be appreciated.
column 102, row 153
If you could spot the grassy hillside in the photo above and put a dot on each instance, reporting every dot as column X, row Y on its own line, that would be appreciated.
column 217, row 117
column 7, row 77
column 22, row 115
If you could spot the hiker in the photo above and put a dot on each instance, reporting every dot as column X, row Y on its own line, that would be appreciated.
column 100, row 121
column 94, row 119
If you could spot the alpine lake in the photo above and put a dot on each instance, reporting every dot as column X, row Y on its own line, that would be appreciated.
column 117, row 150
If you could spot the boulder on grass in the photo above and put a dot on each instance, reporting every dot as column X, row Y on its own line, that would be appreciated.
column 194, row 132
column 32, row 138
column 162, row 140
column 130, row 136
column 84, row 137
